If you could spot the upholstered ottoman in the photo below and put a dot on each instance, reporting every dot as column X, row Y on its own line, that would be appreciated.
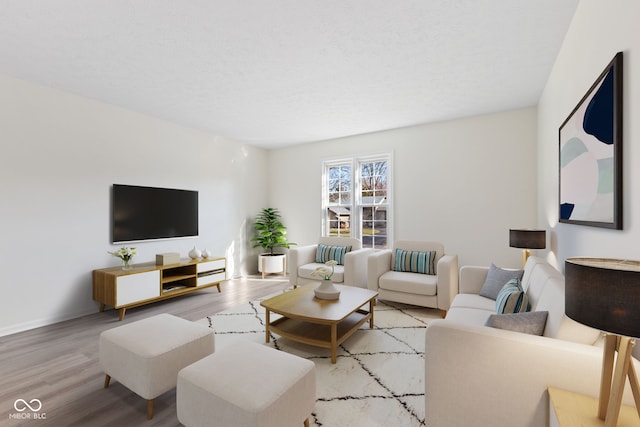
column 249, row 385
column 146, row 355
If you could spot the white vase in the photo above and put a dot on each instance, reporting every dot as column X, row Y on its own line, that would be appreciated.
column 206, row 253
column 194, row 253
column 327, row 290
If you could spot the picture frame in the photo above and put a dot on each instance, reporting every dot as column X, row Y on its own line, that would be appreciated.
column 590, row 154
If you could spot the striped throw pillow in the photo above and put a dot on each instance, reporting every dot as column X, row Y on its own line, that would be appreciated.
column 415, row 261
column 326, row 253
column 512, row 299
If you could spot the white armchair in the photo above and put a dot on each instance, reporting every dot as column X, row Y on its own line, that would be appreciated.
column 302, row 262
column 435, row 288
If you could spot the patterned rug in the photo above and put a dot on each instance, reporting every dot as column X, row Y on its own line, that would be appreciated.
column 378, row 379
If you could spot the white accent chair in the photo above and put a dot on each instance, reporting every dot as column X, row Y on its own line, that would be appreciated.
column 435, row 291
column 302, row 262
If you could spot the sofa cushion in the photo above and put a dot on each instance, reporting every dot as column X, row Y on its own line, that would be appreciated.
column 326, row 253
column 306, row 270
column 541, row 276
column 414, row 261
column 468, row 316
column 529, row 323
column 496, row 279
column 474, row 301
column 412, row 283
column 512, row 299
column 570, row 330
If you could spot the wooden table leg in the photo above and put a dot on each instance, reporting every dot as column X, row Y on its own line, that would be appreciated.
column 101, row 307
column 122, row 312
column 371, row 303
column 334, row 342
column 267, row 316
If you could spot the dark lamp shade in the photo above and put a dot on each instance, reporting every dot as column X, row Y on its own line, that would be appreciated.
column 527, row 239
column 604, row 294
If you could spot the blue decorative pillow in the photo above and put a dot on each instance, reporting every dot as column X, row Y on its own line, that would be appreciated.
column 415, row 262
column 326, row 253
column 512, row 299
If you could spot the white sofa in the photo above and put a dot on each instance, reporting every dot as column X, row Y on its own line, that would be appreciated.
column 353, row 272
column 477, row 375
column 427, row 290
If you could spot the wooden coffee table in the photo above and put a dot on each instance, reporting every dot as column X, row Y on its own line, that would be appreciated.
column 321, row 323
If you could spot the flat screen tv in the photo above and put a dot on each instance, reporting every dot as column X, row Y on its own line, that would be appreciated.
column 149, row 213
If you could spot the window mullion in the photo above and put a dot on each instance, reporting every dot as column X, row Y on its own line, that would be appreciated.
column 357, row 199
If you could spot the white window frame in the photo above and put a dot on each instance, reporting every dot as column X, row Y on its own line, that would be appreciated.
column 357, row 204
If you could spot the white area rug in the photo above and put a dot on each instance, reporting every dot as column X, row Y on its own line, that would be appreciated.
column 378, row 379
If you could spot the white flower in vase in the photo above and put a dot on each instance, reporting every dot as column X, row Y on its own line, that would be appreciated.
column 324, row 272
column 126, row 255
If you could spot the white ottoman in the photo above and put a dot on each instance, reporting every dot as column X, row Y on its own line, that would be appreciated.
column 147, row 355
column 248, row 385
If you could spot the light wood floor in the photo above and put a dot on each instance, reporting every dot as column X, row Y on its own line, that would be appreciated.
column 58, row 364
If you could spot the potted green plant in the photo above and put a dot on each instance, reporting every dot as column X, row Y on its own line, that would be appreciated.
column 271, row 234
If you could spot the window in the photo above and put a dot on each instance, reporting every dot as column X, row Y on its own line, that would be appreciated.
column 356, row 199
column 374, row 201
column 339, row 197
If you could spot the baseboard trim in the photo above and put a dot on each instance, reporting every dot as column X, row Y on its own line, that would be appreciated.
column 38, row 323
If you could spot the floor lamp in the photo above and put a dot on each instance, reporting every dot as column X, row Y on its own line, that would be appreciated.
column 605, row 294
column 527, row 239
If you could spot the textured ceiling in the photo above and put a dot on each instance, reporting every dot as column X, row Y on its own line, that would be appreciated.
column 279, row 72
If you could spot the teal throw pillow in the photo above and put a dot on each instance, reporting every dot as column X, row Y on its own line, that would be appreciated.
column 326, row 253
column 415, row 261
column 512, row 299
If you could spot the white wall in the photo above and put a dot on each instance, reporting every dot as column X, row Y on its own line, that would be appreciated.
column 463, row 182
column 60, row 156
column 598, row 30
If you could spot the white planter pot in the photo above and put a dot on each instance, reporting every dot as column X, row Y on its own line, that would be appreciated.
column 327, row 290
column 268, row 264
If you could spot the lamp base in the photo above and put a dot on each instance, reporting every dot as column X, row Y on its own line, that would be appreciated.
column 525, row 255
column 611, row 393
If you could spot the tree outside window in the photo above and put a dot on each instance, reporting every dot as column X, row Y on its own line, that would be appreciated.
column 365, row 216
column 338, row 210
column 374, row 202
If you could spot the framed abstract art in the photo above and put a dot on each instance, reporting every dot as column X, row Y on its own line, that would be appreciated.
column 591, row 154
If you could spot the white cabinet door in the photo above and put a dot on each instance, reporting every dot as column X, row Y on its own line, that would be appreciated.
column 211, row 265
column 137, row 287
column 211, row 278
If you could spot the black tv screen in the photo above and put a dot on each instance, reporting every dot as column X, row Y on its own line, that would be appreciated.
column 149, row 213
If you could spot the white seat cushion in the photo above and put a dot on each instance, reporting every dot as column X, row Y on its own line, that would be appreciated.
column 474, row 301
column 469, row 316
column 411, row 283
column 306, row 270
